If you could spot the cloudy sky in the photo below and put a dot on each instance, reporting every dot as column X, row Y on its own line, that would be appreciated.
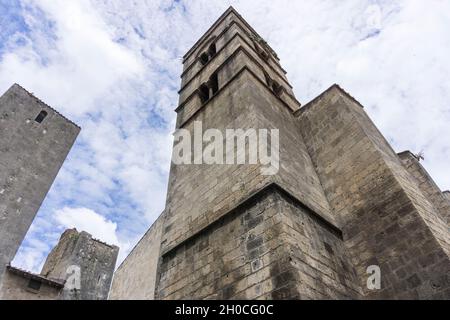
column 113, row 67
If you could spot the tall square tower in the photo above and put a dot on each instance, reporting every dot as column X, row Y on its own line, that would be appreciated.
column 232, row 230
column 34, row 142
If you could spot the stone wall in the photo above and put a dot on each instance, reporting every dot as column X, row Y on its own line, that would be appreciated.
column 16, row 286
column 269, row 247
column 213, row 190
column 31, row 155
column 426, row 184
column 447, row 195
column 135, row 279
column 386, row 220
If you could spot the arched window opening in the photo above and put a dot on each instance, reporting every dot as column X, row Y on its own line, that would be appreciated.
column 41, row 116
column 214, row 83
column 262, row 52
column 204, row 58
column 212, row 50
column 204, row 93
column 276, row 88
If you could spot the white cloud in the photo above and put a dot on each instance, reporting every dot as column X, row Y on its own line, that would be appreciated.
column 74, row 67
column 33, row 255
column 84, row 219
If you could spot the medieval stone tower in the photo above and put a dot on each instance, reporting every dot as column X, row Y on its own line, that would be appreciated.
column 34, row 142
column 341, row 202
column 79, row 255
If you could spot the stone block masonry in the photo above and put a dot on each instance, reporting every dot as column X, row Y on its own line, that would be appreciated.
column 269, row 247
column 385, row 217
column 426, row 184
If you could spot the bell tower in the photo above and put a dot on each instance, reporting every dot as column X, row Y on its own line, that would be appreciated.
column 228, row 230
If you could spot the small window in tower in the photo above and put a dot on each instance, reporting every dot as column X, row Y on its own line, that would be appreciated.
column 264, row 54
column 204, row 58
column 212, row 50
column 34, row 285
column 41, row 116
column 261, row 51
column 214, row 83
column 276, row 88
column 204, row 93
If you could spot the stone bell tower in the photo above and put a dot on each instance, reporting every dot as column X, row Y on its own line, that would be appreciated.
column 232, row 229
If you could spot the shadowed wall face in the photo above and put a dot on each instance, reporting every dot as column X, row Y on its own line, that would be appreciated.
column 34, row 142
column 270, row 247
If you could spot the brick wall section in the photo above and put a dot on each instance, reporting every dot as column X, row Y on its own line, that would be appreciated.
column 31, row 155
column 385, row 218
column 270, row 247
column 426, row 184
column 135, row 278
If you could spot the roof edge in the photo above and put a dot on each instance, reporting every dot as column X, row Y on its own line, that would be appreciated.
column 320, row 96
column 16, row 85
column 29, row 275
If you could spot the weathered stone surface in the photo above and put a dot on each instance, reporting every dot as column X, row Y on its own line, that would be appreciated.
column 93, row 260
column 31, row 155
column 21, row 285
column 426, row 184
column 447, row 195
column 386, row 219
column 135, row 278
column 270, row 247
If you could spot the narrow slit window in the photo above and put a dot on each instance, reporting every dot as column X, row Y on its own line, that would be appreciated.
column 41, row 116
column 214, row 83
column 204, row 93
